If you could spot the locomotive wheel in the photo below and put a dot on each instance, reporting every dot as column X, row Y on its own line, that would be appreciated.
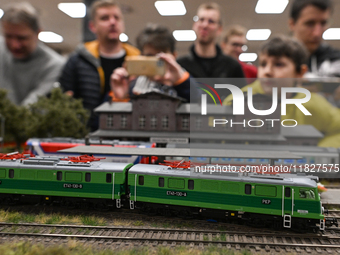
column 277, row 225
column 151, row 212
column 85, row 205
column 185, row 214
column 301, row 227
column 101, row 207
column 70, row 205
column 257, row 223
column 9, row 201
column 166, row 212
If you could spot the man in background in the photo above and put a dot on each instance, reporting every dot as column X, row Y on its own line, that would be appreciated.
column 309, row 19
column 206, row 59
column 28, row 68
column 87, row 73
column 233, row 40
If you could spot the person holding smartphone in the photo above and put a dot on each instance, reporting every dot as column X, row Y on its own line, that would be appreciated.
column 154, row 40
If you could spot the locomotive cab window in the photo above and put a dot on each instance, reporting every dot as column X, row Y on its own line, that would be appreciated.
column 160, row 182
column 88, row 177
column 287, row 192
column 59, row 176
column 308, row 194
column 11, row 173
column 191, row 184
column 140, row 180
column 247, row 189
column 108, row 178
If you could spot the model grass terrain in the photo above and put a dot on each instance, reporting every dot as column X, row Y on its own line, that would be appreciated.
column 290, row 201
column 77, row 248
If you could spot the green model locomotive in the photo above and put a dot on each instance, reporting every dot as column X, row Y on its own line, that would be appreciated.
column 287, row 200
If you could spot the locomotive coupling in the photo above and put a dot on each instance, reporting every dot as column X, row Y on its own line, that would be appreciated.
column 331, row 221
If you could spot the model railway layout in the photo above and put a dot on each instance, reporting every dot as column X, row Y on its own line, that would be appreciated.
column 287, row 200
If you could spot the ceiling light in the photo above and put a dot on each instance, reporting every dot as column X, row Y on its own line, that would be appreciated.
column 271, row 6
column 123, row 37
column 50, row 37
column 258, row 34
column 1, row 13
column 244, row 47
column 184, row 35
column 74, row 10
column 170, row 8
column 248, row 57
column 331, row 34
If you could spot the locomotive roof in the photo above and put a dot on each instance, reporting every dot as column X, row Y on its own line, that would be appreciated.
column 54, row 163
column 300, row 180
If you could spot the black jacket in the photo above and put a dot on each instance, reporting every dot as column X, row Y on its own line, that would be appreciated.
column 222, row 66
column 84, row 76
column 324, row 62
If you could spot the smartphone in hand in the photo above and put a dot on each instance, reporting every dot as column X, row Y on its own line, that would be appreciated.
column 143, row 65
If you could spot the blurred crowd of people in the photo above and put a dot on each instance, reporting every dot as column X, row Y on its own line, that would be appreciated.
column 95, row 71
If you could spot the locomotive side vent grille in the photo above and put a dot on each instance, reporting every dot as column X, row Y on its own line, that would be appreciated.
column 38, row 162
column 74, row 164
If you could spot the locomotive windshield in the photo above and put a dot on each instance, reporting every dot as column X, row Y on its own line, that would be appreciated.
column 309, row 194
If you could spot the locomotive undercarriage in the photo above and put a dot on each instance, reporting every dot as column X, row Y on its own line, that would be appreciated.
column 70, row 202
column 186, row 212
column 251, row 219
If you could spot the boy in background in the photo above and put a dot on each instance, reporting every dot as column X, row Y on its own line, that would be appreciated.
column 281, row 58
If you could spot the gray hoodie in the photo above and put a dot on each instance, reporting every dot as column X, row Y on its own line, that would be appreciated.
column 27, row 79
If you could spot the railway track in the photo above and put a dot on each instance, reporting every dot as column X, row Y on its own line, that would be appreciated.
column 107, row 235
column 133, row 217
column 125, row 217
column 334, row 213
column 332, row 186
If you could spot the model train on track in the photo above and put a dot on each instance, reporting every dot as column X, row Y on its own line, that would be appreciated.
column 287, row 200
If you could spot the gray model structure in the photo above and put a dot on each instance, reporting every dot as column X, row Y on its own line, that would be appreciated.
column 310, row 159
column 182, row 152
column 163, row 119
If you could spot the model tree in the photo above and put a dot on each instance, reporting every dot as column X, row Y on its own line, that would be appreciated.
column 16, row 119
column 56, row 116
